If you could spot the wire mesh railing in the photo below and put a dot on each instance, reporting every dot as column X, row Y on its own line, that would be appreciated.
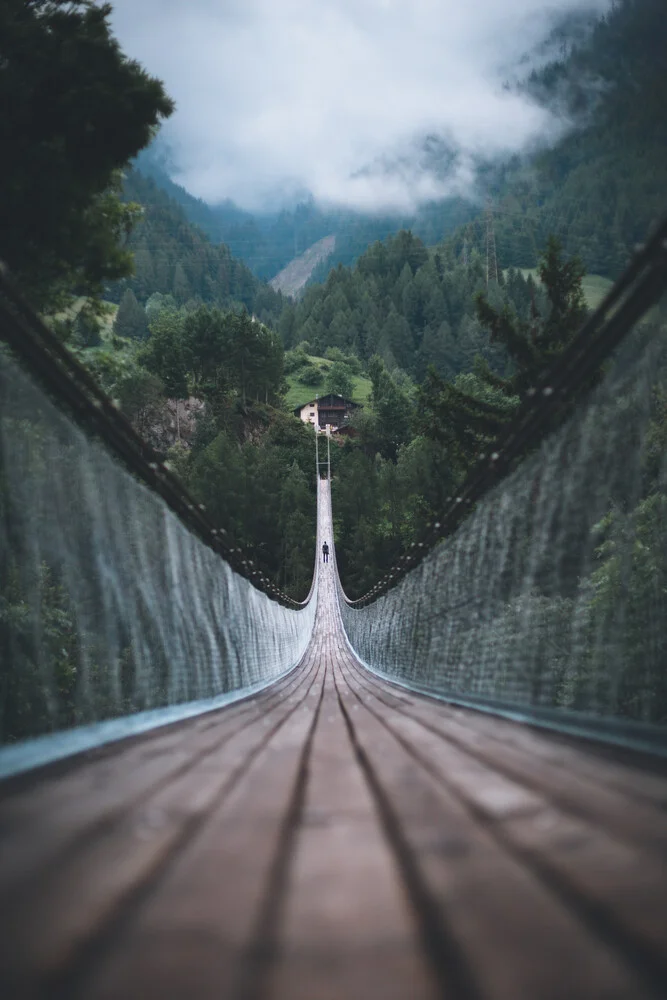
column 634, row 294
column 550, row 593
column 111, row 602
column 69, row 383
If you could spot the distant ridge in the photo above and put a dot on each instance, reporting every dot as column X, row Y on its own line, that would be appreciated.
column 293, row 278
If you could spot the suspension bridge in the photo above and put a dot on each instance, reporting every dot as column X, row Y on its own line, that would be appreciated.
column 453, row 787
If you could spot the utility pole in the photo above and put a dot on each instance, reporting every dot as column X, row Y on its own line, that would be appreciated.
column 491, row 258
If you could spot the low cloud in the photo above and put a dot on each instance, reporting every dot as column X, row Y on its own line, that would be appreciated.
column 340, row 98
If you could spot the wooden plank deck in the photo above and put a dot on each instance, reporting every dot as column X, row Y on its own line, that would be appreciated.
column 335, row 837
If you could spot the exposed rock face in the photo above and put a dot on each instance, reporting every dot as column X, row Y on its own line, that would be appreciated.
column 293, row 278
column 173, row 420
column 182, row 416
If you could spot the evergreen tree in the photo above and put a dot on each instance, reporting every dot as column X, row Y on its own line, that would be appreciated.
column 156, row 303
column 392, row 409
column 141, row 398
column 131, row 318
column 181, row 285
column 534, row 343
column 87, row 328
column 173, row 258
column 338, row 380
column 165, row 353
column 206, row 344
column 75, row 109
column 468, row 413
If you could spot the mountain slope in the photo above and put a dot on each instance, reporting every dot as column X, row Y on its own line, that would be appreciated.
column 602, row 186
column 598, row 188
column 174, row 257
column 268, row 242
column 295, row 276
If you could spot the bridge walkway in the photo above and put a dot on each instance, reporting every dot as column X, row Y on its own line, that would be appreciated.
column 335, row 836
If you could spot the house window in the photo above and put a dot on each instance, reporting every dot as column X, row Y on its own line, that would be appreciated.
column 312, row 414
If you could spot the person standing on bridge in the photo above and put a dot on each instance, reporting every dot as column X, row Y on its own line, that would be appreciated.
column 325, row 552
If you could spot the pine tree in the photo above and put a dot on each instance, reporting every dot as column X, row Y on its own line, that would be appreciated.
column 469, row 412
column 181, row 285
column 131, row 318
column 165, row 353
column 75, row 109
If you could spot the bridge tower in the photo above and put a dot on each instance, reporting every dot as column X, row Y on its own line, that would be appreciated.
column 318, row 461
column 491, row 256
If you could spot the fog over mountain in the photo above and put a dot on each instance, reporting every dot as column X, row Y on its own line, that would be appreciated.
column 372, row 104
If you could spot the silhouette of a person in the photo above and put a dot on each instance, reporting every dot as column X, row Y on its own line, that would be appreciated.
column 325, row 552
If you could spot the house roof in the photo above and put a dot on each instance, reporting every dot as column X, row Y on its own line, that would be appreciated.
column 331, row 401
column 302, row 406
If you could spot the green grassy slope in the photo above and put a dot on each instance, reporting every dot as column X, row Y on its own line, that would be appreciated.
column 105, row 319
column 594, row 285
column 300, row 393
column 595, row 288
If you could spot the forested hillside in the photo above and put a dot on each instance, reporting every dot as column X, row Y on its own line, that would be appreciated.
column 416, row 442
column 206, row 387
column 600, row 188
column 174, row 257
column 269, row 242
column 413, row 306
column 266, row 242
column 192, row 326
column 190, row 359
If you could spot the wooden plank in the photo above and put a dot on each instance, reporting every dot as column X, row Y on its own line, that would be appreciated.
column 201, row 931
column 348, row 928
column 51, row 809
column 555, row 772
column 613, row 770
column 46, row 923
column 500, row 925
column 618, row 887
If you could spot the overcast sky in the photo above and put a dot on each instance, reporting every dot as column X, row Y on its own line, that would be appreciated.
column 282, row 96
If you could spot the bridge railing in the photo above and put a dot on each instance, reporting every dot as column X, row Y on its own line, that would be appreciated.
column 548, row 597
column 116, row 594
